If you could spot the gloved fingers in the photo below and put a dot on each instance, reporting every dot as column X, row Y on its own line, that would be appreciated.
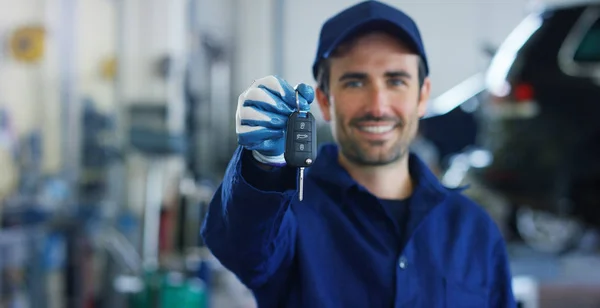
column 306, row 95
column 249, row 119
column 274, row 123
column 264, row 100
column 276, row 91
column 265, row 147
column 282, row 89
column 258, row 137
column 276, row 86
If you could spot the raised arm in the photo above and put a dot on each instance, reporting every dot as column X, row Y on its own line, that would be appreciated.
column 250, row 227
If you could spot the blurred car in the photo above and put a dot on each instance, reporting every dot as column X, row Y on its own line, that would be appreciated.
column 540, row 122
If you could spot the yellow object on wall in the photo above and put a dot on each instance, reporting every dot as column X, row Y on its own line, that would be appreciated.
column 108, row 68
column 27, row 44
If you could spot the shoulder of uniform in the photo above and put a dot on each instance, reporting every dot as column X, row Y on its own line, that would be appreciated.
column 467, row 211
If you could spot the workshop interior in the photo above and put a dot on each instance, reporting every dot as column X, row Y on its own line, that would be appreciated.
column 117, row 122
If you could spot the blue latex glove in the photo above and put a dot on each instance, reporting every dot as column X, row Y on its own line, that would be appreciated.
column 262, row 114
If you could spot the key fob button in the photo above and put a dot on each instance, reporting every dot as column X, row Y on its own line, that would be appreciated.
column 302, row 147
column 302, row 137
column 303, row 126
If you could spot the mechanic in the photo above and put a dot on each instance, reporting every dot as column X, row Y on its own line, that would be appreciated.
column 375, row 228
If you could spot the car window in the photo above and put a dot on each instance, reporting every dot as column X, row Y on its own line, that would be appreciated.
column 589, row 49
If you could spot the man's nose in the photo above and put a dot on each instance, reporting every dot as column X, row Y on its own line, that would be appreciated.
column 379, row 101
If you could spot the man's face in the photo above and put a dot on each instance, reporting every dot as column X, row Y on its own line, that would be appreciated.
column 375, row 102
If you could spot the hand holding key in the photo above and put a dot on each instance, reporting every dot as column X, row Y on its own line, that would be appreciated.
column 262, row 117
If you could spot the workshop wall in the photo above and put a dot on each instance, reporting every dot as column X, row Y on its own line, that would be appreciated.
column 30, row 88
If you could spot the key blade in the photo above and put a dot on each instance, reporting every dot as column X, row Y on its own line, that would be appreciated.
column 301, row 185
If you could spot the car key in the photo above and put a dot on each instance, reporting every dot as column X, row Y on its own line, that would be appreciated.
column 301, row 142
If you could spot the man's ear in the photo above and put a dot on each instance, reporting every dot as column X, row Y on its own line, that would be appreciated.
column 324, row 104
column 424, row 98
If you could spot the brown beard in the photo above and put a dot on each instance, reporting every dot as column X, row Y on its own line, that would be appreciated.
column 355, row 152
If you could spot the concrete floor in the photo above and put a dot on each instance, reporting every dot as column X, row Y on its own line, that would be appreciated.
column 569, row 281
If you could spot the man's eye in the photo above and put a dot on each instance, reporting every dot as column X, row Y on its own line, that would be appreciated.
column 396, row 82
column 353, row 84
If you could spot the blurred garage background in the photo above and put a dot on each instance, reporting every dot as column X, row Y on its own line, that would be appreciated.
column 116, row 124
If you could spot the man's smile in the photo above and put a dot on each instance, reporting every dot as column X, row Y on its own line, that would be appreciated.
column 376, row 129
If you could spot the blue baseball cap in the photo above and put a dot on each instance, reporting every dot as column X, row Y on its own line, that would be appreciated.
column 367, row 16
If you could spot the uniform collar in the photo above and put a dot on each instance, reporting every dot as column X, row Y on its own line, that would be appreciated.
column 326, row 169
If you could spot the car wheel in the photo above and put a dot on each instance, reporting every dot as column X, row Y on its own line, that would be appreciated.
column 547, row 232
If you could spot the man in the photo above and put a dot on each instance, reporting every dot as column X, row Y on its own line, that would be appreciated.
column 375, row 228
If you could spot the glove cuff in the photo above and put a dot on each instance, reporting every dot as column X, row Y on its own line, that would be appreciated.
column 276, row 161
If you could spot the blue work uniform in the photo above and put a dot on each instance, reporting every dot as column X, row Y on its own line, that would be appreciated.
column 343, row 247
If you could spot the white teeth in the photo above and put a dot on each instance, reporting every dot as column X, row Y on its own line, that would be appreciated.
column 376, row 129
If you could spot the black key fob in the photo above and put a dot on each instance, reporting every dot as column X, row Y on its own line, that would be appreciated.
column 301, row 140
